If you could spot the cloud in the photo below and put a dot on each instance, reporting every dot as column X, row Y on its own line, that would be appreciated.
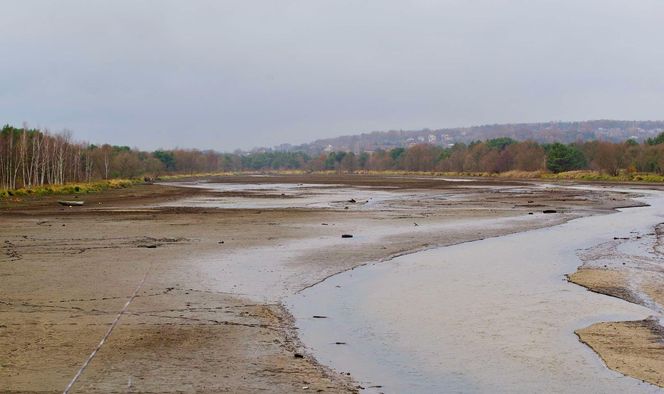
column 229, row 74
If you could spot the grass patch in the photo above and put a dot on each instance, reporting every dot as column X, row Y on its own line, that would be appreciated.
column 70, row 188
column 601, row 177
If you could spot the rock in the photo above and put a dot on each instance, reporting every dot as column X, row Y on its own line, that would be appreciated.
column 340, row 343
column 319, row 317
column 220, row 242
column 530, row 213
column 346, row 235
column 352, row 200
column 298, row 355
column 549, row 211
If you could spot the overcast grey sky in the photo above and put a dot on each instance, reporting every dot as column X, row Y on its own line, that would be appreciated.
column 239, row 74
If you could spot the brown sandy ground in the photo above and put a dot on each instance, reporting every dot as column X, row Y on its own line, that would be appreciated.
column 67, row 272
column 605, row 281
column 634, row 348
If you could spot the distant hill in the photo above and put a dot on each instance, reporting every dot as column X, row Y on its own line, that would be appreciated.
column 606, row 130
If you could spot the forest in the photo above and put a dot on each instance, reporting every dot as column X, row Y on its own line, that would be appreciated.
column 32, row 157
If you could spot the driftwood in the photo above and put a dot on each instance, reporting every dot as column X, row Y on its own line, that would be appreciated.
column 71, row 203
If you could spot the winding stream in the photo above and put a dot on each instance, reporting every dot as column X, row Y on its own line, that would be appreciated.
column 495, row 315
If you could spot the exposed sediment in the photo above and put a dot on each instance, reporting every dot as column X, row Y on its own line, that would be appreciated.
column 209, row 316
column 630, row 267
column 633, row 348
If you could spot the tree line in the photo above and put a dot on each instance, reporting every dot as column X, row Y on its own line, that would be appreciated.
column 33, row 157
column 505, row 154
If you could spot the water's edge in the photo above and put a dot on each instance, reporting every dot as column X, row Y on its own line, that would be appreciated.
column 295, row 304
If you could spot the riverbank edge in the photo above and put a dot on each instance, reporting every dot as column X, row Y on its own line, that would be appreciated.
column 330, row 371
column 633, row 348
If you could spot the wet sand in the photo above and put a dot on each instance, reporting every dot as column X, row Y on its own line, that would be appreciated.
column 210, row 316
column 630, row 267
column 633, row 348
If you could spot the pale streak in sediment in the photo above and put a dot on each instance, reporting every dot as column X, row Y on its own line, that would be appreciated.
column 105, row 337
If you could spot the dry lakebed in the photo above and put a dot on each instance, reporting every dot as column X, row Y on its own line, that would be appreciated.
column 335, row 283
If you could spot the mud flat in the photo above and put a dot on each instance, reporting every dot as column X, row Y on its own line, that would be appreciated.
column 212, row 266
column 497, row 315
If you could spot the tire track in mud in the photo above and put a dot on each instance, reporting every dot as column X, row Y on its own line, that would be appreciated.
column 14, row 250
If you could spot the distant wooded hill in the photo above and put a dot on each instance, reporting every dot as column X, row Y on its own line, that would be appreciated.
column 565, row 132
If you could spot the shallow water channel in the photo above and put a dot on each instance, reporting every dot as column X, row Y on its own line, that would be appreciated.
column 495, row 315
